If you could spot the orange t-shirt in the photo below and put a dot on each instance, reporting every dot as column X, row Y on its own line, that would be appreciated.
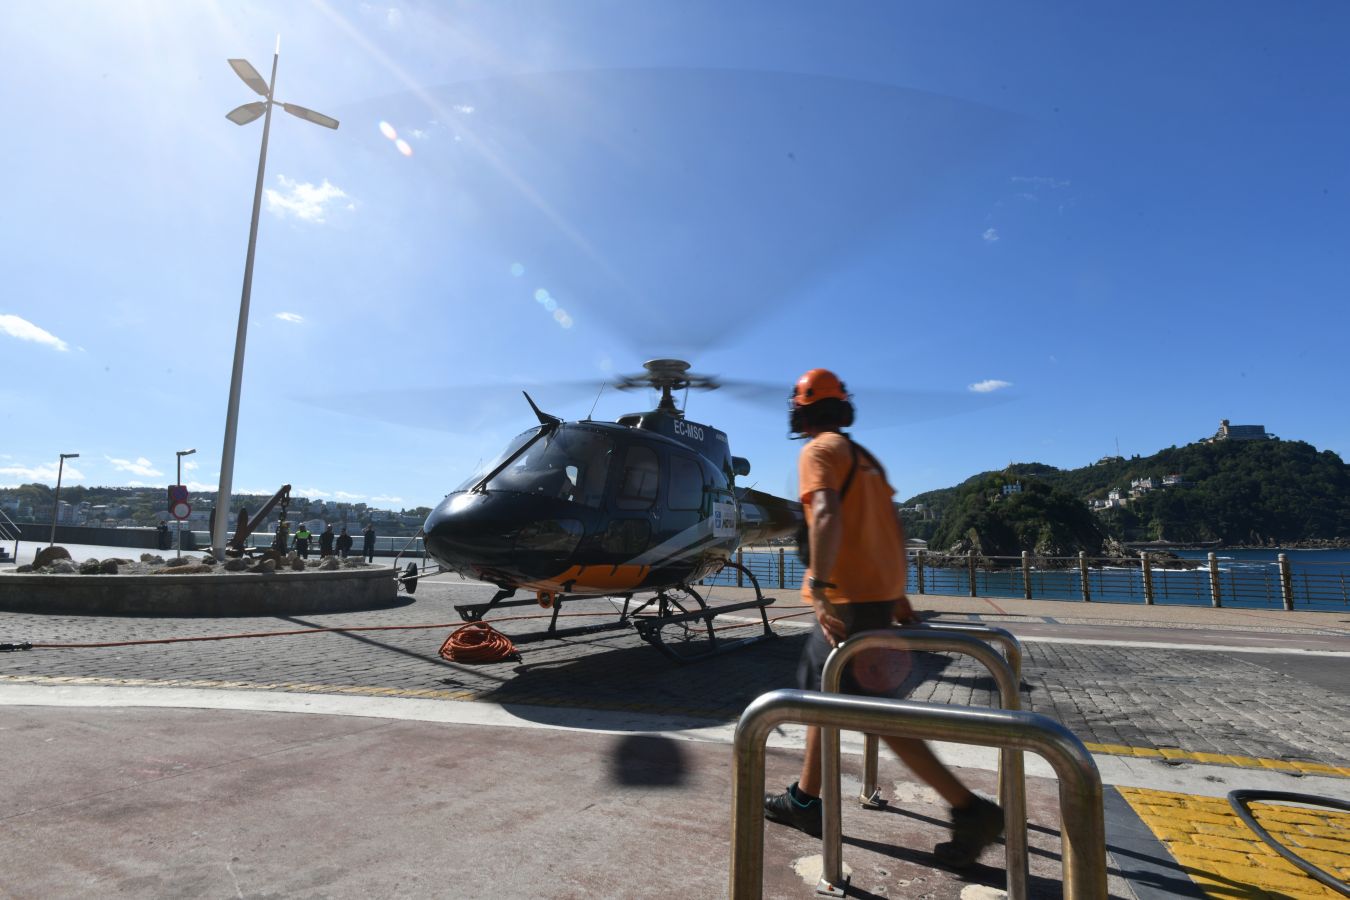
column 871, row 563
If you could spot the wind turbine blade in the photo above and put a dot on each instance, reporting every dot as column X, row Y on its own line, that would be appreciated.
column 242, row 115
column 249, row 75
column 310, row 115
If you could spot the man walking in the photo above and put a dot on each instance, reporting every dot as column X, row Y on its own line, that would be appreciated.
column 344, row 543
column 856, row 582
column 302, row 536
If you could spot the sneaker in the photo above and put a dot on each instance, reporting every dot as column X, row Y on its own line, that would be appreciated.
column 973, row 828
column 786, row 809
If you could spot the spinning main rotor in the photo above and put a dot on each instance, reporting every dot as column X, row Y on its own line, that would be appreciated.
column 667, row 375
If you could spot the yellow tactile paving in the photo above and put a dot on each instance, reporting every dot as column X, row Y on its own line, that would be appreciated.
column 1303, row 767
column 1226, row 858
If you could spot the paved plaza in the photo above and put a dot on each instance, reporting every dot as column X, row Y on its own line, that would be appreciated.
column 606, row 767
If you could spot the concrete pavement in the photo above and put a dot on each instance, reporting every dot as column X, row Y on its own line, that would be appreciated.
column 596, row 766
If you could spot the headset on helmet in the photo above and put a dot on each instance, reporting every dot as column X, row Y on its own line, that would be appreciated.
column 808, row 406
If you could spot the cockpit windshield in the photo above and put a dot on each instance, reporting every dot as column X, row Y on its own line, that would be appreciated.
column 570, row 464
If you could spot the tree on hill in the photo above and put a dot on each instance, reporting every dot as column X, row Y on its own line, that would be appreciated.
column 1040, row 519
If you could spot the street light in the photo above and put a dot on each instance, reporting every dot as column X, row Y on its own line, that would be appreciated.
column 179, row 482
column 56, row 503
column 242, row 115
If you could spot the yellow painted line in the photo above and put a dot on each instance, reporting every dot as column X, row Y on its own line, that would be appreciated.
column 1303, row 767
column 1226, row 859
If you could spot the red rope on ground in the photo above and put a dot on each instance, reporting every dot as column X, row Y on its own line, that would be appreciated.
column 478, row 642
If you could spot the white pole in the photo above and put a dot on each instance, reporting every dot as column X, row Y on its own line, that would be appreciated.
column 222, row 522
column 56, row 501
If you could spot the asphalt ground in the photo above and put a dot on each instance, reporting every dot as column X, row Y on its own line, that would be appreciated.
column 596, row 766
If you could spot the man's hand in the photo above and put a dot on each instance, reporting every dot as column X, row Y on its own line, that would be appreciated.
column 830, row 623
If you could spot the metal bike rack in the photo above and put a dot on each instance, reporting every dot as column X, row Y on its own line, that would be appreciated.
column 1011, row 781
column 1083, row 829
column 870, row 797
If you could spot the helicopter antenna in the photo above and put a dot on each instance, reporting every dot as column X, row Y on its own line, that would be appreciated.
column 597, row 400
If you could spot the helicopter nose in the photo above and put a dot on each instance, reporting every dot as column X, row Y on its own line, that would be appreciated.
column 465, row 534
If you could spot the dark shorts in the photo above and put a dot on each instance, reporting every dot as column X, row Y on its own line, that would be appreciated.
column 857, row 617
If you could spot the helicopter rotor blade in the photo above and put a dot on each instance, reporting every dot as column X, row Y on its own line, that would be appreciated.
column 457, row 410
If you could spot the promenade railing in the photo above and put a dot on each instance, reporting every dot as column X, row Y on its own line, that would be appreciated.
column 1216, row 580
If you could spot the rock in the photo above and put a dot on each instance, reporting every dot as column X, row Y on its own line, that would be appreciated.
column 265, row 567
column 89, row 567
column 62, row 567
column 47, row 555
column 208, row 560
column 109, row 566
column 297, row 564
column 330, row 563
column 24, row 568
column 117, row 559
column 237, row 564
column 177, row 562
column 152, row 558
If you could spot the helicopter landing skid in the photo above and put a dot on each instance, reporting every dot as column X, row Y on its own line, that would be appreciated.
column 672, row 608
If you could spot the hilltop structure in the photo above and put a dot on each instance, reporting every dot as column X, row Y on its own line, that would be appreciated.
column 1228, row 432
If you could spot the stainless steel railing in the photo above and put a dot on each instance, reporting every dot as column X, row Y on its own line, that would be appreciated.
column 1083, row 830
column 1012, row 652
column 1011, row 785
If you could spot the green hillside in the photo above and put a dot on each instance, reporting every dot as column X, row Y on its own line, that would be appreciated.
column 1238, row 492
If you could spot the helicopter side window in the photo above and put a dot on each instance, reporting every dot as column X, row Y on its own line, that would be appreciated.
column 686, row 483
column 637, row 487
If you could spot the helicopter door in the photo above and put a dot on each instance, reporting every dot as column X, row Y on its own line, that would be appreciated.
column 633, row 512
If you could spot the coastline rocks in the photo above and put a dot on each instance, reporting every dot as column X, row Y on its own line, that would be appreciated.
column 189, row 569
column 235, row 565
column 62, row 567
column 265, row 567
column 329, row 563
column 152, row 558
column 110, row 566
column 48, row 555
column 90, row 567
column 177, row 562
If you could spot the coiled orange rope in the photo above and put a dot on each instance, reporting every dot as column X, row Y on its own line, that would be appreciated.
column 478, row 642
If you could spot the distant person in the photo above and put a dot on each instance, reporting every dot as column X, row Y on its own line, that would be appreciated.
column 326, row 541
column 856, row 582
column 368, row 542
column 302, row 537
column 282, row 538
column 344, row 543
column 163, row 537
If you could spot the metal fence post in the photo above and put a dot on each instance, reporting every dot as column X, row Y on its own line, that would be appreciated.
column 1286, row 583
column 920, row 563
column 782, row 570
column 1148, row 577
column 1083, row 834
column 1083, row 573
column 1012, row 777
column 1214, row 599
column 740, row 573
column 1026, row 574
column 970, row 570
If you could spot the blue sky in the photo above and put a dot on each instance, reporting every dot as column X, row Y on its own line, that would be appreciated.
column 1123, row 224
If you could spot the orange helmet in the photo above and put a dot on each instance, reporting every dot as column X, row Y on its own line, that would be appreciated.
column 818, row 384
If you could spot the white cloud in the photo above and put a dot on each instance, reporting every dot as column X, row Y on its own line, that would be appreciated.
column 462, row 108
column 990, row 235
column 419, row 134
column 383, row 499
column 343, row 495
column 393, row 18
column 303, row 200
column 290, row 317
column 201, row 487
column 190, row 466
column 141, row 467
column 25, row 330
column 13, row 476
column 310, row 493
column 988, row 385
column 1041, row 181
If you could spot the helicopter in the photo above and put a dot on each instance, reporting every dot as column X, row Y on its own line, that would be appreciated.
column 644, row 505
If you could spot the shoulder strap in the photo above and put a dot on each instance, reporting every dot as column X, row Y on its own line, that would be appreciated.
column 853, row 470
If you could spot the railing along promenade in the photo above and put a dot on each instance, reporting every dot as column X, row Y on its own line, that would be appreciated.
column 1213, row 581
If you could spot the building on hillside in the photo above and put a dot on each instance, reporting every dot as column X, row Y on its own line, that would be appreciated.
column 1115, row 498
column 1014, row 488
column 1141, row 486
column 1173, row 480
column 1228, row 432
column 1107, row 460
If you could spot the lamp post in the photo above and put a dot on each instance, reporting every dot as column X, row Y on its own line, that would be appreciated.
column 179, row 481
column 242, row 115
column 56, row 502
